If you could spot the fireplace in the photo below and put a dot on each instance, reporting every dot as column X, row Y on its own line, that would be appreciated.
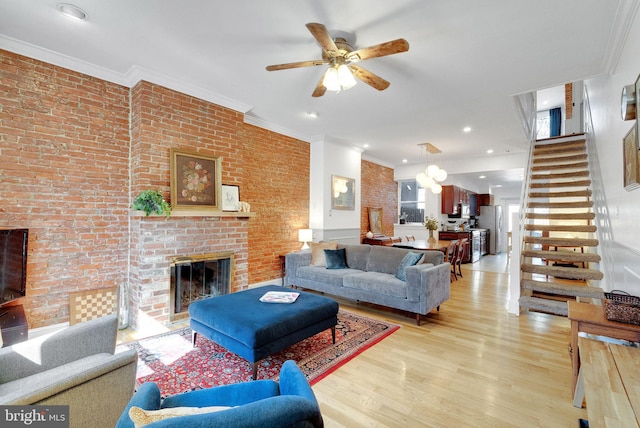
column 198, row 277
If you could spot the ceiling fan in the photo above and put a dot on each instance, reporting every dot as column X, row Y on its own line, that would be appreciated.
column 342, row 59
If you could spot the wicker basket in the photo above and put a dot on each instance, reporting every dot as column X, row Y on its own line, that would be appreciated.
column 622, row 307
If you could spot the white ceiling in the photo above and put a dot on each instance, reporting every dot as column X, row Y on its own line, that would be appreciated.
column 467, row 58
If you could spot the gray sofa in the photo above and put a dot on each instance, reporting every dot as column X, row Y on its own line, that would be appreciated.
column 370, row 277
column 75, row 366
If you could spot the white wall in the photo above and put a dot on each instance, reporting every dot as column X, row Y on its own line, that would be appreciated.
column 328, row 159
column 609, row 130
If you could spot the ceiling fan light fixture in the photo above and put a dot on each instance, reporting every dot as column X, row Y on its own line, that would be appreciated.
column 338, row 78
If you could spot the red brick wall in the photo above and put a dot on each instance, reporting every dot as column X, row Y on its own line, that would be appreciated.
column 64, row 155
column 379, row 190
column 64, row 167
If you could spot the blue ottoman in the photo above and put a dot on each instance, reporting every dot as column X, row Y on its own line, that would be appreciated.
column 253, row 329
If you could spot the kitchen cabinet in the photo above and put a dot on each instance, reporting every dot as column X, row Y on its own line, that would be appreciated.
column 450, row 198
column 485, row 199
column 453, row 196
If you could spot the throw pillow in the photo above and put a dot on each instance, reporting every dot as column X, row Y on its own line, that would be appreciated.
column 317, row 252
column 336, row 259
column 409, row 259
column 142, row 417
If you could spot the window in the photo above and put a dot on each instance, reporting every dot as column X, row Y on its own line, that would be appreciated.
column 412, row 201
column 542, row 125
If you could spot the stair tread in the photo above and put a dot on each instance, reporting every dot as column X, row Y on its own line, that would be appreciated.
column 561, row 242
column 561, row 227
column 576, row 165
column 563, row 289
column 557, row 175
column 561, row 216
column 563, row 272
column 567, row 194
column 566, row 158
column 579, row 204
column 550, row 184
column 563, row 255
column 560, row 145
column 545, row 305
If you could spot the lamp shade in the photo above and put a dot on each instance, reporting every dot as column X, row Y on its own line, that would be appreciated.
column 305, row 235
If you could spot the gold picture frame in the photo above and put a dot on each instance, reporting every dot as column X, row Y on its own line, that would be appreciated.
column 631, row 160
column 343, row 193
column 196, row 181
column 375, row 221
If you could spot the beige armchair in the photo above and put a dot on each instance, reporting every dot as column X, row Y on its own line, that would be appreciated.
column 75, row 366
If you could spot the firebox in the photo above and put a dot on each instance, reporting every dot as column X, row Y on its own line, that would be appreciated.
column 198, row 277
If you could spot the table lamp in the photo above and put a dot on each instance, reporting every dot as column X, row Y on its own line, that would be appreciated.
column 305, row 235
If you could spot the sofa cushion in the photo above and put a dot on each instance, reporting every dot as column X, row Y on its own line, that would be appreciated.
column 317, row 252
column 336, row 259
column 385, row 259
column 375, row 282
column 357, row 255
column 326, row 276
column 409, row 259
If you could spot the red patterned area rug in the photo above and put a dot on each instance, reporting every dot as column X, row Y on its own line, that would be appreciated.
column 176, row 366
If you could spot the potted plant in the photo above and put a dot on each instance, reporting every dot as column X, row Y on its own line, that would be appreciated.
column 431, row 224
column 152, row 202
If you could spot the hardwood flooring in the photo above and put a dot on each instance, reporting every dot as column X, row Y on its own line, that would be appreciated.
column 469, row 365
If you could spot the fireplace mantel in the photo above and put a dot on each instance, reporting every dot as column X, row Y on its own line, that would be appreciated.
column 197, row 213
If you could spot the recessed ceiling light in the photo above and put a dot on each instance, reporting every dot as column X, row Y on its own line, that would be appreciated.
column 404, row 161
column 490, row 151
column 483, row 176
column 366, row 146
column 313, row 114
column 73, row 12
column 498, row 185
column 466, row 129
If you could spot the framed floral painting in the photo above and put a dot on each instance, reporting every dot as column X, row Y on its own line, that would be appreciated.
column 195, row 181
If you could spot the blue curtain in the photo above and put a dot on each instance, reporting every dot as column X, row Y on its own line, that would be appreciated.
column 555, row 122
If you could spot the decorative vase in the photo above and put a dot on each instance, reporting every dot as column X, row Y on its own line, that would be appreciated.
column 432, row 240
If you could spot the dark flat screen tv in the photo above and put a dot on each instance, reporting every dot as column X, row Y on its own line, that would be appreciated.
column 13, row 264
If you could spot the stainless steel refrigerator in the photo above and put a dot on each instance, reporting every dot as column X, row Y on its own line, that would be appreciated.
column 491, row 218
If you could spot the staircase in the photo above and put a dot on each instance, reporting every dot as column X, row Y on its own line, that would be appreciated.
column 559, row 259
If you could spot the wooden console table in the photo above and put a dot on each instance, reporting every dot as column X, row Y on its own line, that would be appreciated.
column 589, row 318
column 611, row 383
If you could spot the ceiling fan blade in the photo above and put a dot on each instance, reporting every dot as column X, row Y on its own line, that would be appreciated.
column 321, row 34
column 369, row 78
column 376, row 51
column 320, row 88
column 296, row 65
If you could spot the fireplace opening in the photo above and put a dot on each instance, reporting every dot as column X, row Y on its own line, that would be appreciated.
column 198, row 277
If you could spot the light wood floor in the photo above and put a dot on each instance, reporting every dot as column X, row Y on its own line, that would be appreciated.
column 470, row 365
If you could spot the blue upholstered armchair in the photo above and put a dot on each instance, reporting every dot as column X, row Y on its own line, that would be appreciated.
column 261, row 403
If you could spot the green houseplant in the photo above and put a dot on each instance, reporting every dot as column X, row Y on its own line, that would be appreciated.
column 152, row 202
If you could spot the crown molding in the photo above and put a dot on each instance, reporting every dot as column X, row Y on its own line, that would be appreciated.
column 129, row 79
column 625, row 15
column 270, row 126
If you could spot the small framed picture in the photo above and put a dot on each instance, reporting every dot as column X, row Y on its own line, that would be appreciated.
column 230, row 198
column 631, row 160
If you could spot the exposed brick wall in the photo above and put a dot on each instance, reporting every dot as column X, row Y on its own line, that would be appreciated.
column 64, row 174
column 568, row 100
column 64, row 155
column 64, row 150
column 276, row 183
column 378, row 190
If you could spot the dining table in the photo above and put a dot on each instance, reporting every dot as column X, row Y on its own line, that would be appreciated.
column 423, row 244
